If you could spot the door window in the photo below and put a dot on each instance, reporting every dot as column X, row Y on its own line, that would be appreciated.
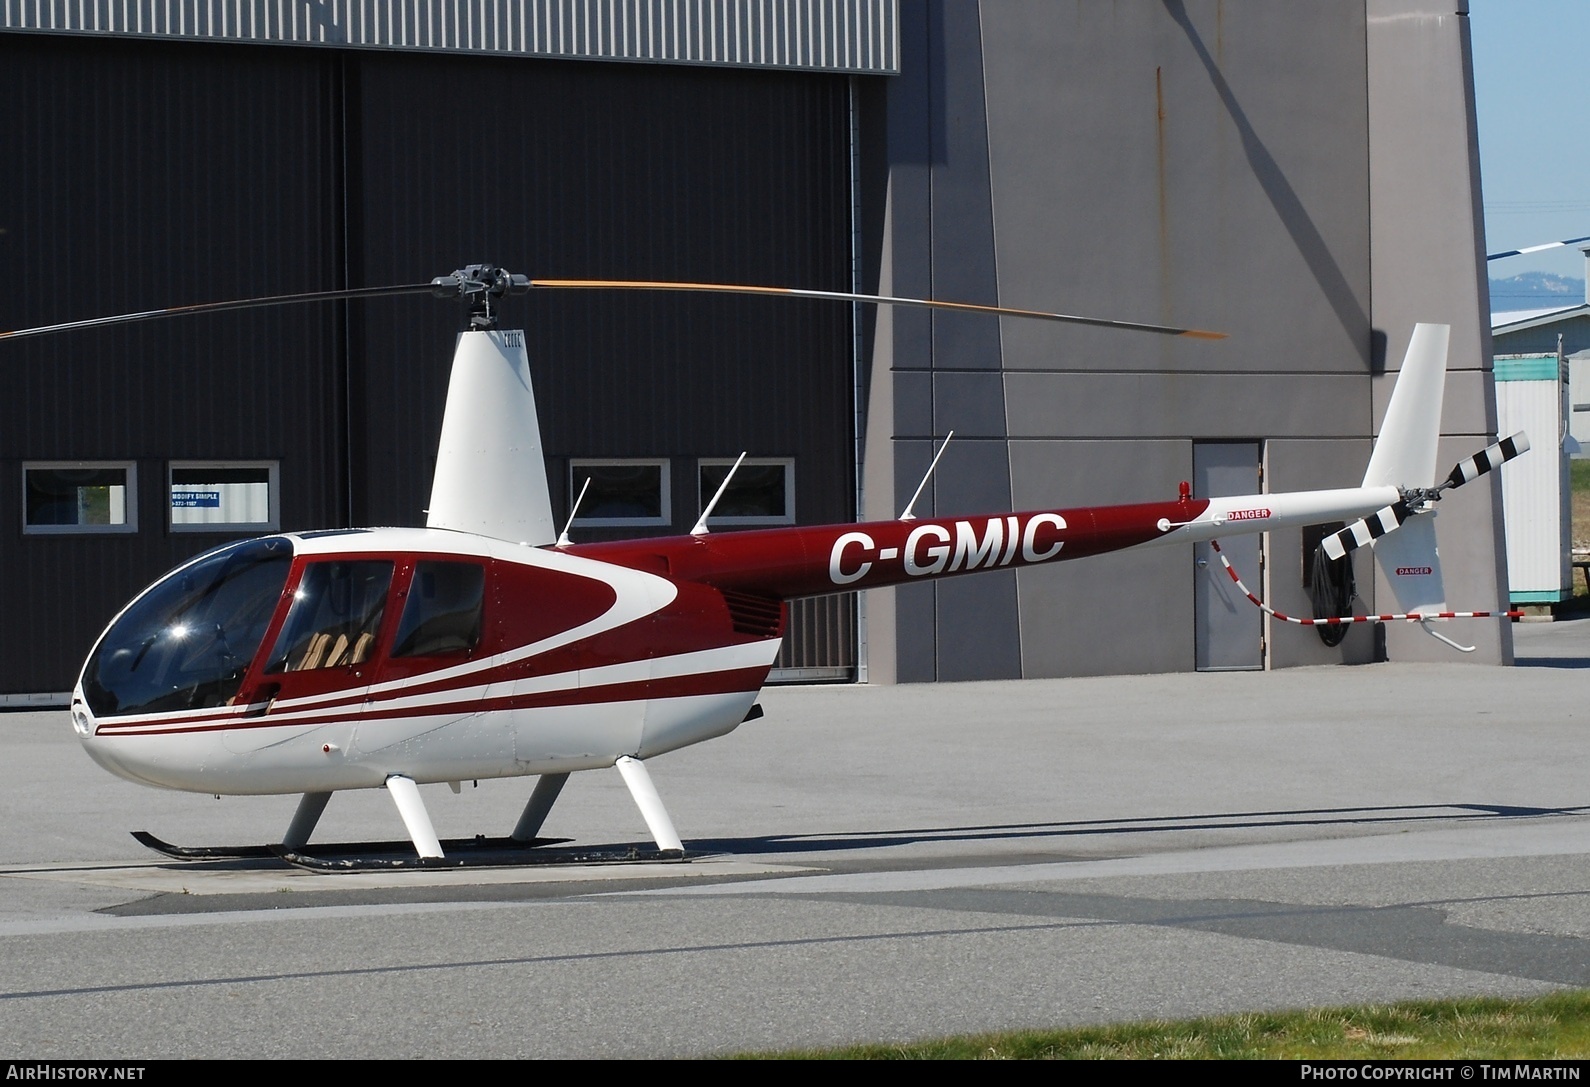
column 442, row 612
column 335, row 617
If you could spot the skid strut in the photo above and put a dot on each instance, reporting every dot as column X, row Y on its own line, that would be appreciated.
column 650, row 804
column 304, row 820
column 548, row 786
column 406, row 795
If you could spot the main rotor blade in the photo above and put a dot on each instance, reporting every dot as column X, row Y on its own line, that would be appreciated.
column 1491, row 457
column 1536, row 248
column 446, row 285
column 220, row 307
column 842, row 296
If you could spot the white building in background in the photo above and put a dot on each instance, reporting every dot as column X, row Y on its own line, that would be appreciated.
column 1550, row 331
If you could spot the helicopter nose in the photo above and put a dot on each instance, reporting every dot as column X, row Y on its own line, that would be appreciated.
column 99, row 750
column 84, row 724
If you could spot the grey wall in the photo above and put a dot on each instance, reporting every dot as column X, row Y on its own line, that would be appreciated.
column 1428, row 264
column 1213, row 164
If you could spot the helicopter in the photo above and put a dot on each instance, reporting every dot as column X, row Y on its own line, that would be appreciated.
column 487, row 644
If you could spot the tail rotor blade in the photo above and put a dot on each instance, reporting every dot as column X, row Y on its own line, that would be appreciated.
column 1487, row 459
column 1371, row 528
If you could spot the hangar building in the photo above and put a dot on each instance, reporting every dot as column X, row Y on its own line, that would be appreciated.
column 1303, row 177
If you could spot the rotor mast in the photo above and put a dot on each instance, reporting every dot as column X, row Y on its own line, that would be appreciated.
column 490, row 475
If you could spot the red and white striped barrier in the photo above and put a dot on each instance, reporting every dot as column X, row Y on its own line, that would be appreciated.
column 1341, row 620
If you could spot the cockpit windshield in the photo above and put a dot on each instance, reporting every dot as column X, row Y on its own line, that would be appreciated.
column 187, row 643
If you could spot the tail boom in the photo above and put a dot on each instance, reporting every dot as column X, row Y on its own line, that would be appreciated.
column 795, row 562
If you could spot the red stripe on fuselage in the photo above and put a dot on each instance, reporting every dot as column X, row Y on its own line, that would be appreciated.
column 732, row 681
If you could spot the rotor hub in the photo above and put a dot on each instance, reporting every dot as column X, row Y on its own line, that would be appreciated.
column 480, row 285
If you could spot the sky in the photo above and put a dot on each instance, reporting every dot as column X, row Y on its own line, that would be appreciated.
column 1534, row 126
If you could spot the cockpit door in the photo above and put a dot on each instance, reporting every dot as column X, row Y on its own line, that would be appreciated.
column 328, row 641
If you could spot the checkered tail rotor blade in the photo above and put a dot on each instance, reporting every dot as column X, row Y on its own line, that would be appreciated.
column 1491, row 457
column 1368, row 530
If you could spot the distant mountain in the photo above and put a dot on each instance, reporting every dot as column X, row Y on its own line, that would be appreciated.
column 1535, row 290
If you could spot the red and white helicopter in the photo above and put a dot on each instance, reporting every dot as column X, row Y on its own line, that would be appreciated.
column 487, row 645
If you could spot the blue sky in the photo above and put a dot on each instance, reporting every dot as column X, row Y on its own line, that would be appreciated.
column 1534, row 123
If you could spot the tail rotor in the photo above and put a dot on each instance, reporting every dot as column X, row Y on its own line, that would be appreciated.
column 1422, row 499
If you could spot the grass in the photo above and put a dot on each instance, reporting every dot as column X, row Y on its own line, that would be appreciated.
column 1579, row 515
column 1579, row 483
column 1555, row 1027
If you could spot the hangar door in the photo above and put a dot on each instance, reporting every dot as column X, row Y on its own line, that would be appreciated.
column 167, row 173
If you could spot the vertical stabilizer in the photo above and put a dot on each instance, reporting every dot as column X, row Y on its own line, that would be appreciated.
column 1405, row 451
column 1405, row 456
column 491, row 478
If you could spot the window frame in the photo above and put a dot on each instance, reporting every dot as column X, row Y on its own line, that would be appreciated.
column 273, row 501
column 130, row 502
column 704, row 495
column 665, row 503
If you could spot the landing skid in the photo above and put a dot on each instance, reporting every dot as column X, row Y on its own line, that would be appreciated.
column 472, row 853
column 335, row 849
column 424, row 850
column 203, row 852
column 479, row 852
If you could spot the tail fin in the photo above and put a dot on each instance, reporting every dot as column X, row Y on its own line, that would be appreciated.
column 1405, row 456
column 1405, row 452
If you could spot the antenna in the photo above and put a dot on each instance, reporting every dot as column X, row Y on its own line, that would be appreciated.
column 701, row 525
column 563, row 537
column 908, row 515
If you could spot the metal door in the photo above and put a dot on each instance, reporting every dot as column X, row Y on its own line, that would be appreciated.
column 1229, row 630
